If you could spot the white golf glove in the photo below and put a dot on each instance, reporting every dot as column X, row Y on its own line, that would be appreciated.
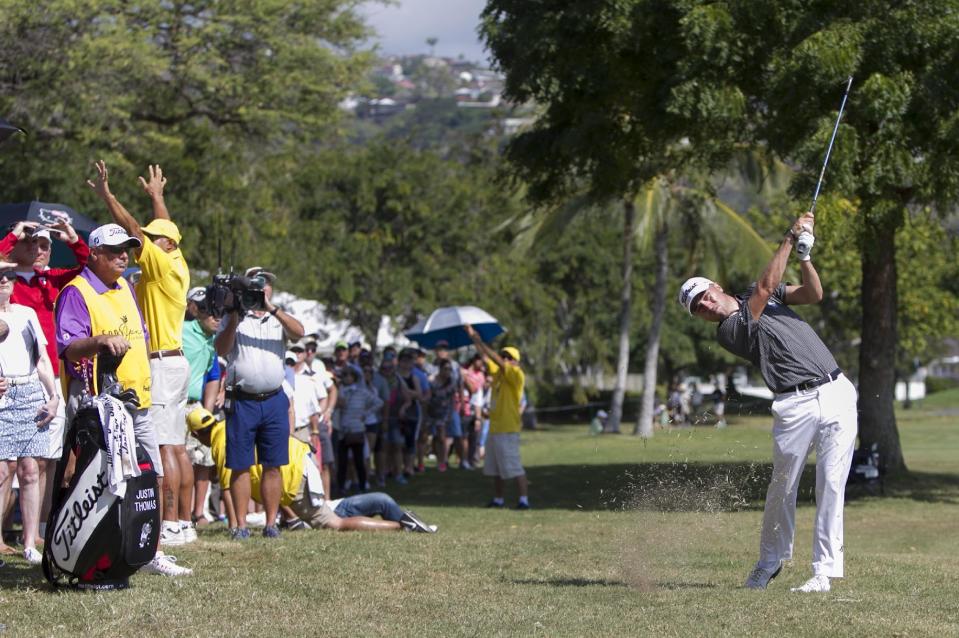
column 804, row 245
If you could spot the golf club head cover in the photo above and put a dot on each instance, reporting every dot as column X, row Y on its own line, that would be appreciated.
column 804, row 245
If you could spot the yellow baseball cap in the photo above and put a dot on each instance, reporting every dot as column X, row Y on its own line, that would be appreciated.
column 199, row 419
column 162, row 228
column 512, row 352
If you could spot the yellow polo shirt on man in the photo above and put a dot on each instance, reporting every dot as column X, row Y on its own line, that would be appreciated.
column 291, row 474
column 506, row 397
column 161, row 292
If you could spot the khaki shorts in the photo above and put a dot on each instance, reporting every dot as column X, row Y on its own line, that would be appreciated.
column 170, row 377
column 317, row 517
column 502, row 456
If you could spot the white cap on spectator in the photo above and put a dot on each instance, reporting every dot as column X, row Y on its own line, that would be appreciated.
column 112, row 235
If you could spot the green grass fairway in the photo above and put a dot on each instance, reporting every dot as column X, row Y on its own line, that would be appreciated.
column 628, row 538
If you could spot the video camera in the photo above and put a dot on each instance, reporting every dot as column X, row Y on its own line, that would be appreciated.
column 234, row 292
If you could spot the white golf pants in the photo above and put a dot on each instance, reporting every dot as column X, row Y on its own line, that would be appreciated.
column 824, row 417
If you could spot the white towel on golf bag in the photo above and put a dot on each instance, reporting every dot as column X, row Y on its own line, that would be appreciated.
column 117, row 424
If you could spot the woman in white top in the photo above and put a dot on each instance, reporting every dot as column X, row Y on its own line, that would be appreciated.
column 27, row 407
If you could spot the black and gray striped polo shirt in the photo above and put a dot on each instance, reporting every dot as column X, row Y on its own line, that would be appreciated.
column 784, row 347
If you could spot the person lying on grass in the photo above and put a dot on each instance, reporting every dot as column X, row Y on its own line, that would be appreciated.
column 303, row 488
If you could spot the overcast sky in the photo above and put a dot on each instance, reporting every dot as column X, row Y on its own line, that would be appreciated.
column 404, row 27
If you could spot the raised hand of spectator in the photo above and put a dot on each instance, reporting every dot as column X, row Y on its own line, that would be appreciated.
column 67, row 232
column 20, row 229
column 154, row 186
column 101, row 186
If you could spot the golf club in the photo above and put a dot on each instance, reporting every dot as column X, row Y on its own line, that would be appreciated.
column 832, row 139
column 805, row 241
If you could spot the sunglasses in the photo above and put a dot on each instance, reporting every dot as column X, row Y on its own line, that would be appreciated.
column 8, row 275
column 115, row 250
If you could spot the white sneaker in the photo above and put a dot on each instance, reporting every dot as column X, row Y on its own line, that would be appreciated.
column 188, row 531
column 33, row 556
column 760, row 577
column 815, row 584
column 166, row 566
column 171, row 535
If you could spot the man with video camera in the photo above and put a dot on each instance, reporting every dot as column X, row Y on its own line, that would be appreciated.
column 254, row 343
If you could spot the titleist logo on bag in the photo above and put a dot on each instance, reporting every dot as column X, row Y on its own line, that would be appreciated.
column 82, row 512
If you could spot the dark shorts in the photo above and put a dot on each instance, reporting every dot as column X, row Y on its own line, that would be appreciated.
column 263, row 426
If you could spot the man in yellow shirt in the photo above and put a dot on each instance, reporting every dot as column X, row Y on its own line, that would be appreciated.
column 302, row 487
column 502, row 449
column 161, row 294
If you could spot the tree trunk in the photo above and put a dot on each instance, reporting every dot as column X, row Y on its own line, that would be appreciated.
column 625, row 315
column 644, row 424
column 877, row 352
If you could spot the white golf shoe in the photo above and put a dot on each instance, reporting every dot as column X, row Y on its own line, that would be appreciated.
column 814, row 584
column 165, row 565
column 759, row 577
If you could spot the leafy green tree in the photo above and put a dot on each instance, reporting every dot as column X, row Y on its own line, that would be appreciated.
column 396, row 231
column 222, row 94
column 896, row 148
column 618, row 108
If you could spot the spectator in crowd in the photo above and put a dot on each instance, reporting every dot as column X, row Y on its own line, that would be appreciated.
column 29, row 404
column 719, row 406
column 354, row 352
column 302, row 489
column 502, row 458
column 97, row 313
column 199, row 328
column 161, row 292
column 598, row 424
column 29, row 246
column 317, row 370
column 455, row 436
column 474, row 377
column 486, row 402
column 356, row 401
column 309, row 399
column 421, row 370
column 395, row 442
column 376, row 421
column 411, row 394
column 258, row 410
column 341, row 357
column 439, row 411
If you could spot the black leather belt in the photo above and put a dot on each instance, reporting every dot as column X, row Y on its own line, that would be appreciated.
column 815, row 383
column 159, row 354
column 240, row 395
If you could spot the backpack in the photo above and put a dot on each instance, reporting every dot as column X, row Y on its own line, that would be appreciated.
column 95, row 539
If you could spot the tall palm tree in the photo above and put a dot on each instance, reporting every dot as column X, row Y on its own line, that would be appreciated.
column 691, row 203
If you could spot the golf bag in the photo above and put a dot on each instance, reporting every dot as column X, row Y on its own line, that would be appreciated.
column 96, row 539
column 865, row 472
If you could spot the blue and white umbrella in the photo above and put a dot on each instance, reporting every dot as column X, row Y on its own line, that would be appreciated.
column 446, row 324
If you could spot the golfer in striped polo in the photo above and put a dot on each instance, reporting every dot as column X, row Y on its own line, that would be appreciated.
column 814, row 404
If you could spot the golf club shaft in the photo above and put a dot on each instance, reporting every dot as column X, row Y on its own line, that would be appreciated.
column 832, row 139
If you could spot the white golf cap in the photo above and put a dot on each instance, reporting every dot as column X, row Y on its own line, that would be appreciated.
column 691, row 289
column 197, row 294
column 112, row 235
column 41, row 232
column 290, row 355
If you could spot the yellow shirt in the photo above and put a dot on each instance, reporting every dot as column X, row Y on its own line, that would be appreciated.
column 506, row 396
column 161, row 291
column 291, row 474
column 115, row 313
